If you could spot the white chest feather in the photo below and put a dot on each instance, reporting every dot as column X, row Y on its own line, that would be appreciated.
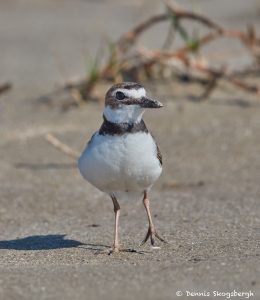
column 115, row 163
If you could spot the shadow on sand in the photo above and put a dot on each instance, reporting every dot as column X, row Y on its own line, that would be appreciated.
column 55, row 241
column 40, row 242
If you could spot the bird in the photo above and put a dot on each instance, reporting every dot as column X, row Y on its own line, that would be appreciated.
column 123, row 157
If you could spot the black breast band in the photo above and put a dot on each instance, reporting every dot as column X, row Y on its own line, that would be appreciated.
column 111, row 128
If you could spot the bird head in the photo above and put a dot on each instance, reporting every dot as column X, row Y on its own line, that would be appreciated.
column 125, row 103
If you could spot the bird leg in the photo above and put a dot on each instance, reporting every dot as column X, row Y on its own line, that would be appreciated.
column 151, row 229
column 116, row 247
column 117, row 213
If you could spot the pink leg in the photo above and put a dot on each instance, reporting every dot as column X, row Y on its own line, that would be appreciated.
column 116, row 247
column 117, row 213
column 151, row 229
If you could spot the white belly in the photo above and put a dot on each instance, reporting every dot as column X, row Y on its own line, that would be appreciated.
column 123, row 163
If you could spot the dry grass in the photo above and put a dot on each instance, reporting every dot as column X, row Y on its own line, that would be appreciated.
column 127, row 61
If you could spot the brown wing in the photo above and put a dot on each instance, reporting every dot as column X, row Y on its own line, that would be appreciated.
column 159, row 154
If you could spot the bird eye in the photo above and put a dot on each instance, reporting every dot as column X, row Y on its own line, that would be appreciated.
column 120, row 95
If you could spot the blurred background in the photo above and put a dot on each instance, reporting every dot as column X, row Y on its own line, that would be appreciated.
column 57, row 59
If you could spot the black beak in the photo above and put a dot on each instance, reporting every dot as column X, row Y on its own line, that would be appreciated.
column 149, row 103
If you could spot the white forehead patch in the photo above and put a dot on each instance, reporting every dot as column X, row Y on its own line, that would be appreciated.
column 132, row 93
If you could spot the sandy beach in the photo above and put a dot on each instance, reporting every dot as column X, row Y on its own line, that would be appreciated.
column 206, row 203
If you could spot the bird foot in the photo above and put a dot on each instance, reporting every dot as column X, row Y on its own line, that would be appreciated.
column 117, row 250
column 110, row 250
column 152, row 234
column 127, row 250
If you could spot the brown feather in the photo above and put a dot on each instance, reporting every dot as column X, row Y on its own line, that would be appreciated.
column 159, row 155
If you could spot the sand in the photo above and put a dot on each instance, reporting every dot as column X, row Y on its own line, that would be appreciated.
column 54, row 224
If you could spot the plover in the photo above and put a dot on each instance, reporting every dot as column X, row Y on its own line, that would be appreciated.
column 122, row 156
